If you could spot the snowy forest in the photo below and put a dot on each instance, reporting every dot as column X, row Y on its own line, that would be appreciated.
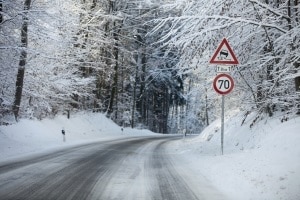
column 145, row 63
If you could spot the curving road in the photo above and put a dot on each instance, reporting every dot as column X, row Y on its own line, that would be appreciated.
column 132, row 168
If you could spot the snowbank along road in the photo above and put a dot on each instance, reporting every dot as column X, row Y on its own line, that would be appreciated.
column 132, row 168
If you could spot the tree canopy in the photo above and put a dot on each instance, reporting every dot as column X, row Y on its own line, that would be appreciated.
column 146, row 63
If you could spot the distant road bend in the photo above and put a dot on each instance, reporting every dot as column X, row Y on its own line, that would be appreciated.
column 134, row 168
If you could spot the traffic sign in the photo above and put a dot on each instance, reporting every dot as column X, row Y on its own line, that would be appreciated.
column 224, row 55
column 223, row 84
column 224, row 68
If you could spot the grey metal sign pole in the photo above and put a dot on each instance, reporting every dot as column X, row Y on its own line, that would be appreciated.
column 223, row 84
column 222, row 124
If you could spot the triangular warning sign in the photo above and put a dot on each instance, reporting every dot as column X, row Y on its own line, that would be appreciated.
column 224, row 55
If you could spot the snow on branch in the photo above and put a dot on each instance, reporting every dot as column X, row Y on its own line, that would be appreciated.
column 268, row 8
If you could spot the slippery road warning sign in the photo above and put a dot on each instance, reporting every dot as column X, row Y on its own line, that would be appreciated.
column 224, row 55
column 223, row 84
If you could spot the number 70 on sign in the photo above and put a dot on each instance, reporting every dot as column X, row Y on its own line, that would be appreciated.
column 223, row 84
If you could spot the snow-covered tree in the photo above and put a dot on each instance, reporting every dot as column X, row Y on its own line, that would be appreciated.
column 146, row 62
column 10, row 26
column 261, row 35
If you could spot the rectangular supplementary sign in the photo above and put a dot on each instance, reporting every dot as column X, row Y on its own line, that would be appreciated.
column 224, row 68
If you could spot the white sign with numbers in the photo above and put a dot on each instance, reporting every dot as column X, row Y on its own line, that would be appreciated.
column 223, row 84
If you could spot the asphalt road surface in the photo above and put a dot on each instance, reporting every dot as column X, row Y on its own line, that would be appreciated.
column 132, row 168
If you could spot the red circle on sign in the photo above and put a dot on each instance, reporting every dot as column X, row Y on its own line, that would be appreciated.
column 227, row 84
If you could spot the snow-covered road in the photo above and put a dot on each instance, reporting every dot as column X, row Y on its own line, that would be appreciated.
column 132, row 168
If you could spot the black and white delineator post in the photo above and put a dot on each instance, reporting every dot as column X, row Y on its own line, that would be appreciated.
column 63, row 132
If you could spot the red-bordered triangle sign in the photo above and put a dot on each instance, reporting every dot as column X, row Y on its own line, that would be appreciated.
column 224, row 55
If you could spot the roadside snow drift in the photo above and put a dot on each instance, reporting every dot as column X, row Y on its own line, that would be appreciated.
column 33, row 136
column 262, row 162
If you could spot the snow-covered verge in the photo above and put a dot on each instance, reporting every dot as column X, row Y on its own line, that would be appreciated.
column 34, row 136
column 259, row 163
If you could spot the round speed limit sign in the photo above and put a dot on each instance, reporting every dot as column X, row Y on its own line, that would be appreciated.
column 223, row 84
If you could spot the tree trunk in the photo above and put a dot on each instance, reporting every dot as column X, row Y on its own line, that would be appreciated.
column 295, row 17
column 22, row 63
column 115, row 79
column 297, row 83
column 1, row 10
column 297, row 86
column 297, row 64
column 142, row 97
column 114, row 89
column 134, row 97
column 206, row 107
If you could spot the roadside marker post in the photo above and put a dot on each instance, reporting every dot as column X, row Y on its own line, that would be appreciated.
column 223, row 83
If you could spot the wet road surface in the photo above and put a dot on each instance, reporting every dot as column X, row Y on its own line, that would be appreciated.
column 132, row 168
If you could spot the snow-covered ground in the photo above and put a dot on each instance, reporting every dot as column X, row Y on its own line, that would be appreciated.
column 259, row 163
column 34, row 136
column 262, row 162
